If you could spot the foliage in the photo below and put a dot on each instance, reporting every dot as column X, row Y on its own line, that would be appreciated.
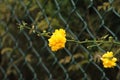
column 84, row 18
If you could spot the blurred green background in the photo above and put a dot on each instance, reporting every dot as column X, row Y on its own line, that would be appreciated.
column 26, row 56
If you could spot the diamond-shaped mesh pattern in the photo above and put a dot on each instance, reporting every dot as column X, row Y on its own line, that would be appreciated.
column 26, row 56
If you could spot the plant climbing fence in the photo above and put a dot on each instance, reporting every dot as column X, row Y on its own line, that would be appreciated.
column 26, row 55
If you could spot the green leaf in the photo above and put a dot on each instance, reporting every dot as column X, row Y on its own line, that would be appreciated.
column 5, row 50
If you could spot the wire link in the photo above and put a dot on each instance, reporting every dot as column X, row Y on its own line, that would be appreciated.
column 26, row 56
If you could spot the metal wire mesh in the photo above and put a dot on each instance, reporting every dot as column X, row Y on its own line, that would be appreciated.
column 26, row 56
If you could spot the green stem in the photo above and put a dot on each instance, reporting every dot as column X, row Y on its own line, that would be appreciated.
column 41, row 34
column 94, row 41
column 118, row 43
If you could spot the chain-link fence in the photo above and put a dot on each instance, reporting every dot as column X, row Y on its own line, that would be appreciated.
column 27, row 56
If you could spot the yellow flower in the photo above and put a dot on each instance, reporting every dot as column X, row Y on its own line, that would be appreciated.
column 109, row 61
column 57, row 40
